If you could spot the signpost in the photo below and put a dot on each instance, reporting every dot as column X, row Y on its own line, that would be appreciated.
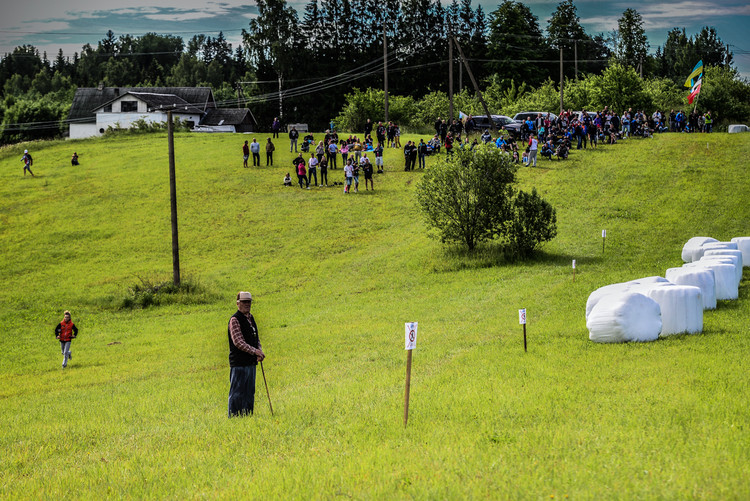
column 522, row 321
column 574, row 270
column 604, row 238
column 411, row 343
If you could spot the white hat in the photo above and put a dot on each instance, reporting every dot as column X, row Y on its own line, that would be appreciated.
column 244, row 296
column 25, row 151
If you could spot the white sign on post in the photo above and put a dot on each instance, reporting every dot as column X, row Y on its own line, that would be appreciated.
column 604, row 233
column 574, row 264
column 522, row 316
column 411, row 335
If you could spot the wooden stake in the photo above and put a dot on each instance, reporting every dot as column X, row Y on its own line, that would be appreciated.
column 524, row 338
column 408, row 385
column 574, row 270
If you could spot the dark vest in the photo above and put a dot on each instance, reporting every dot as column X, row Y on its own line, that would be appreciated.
column 237, row 357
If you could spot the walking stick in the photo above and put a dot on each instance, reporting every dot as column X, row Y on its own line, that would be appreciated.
column 266, row 383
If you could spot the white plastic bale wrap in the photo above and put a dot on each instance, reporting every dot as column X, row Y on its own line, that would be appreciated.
column 681, row 308
column 727, row 252
column 702, row 278
column 693, row 249
column 618, row 288
column 649, row 280
column 733, row 260
column 719, row 245
column 725, row 277
column 628, row 316
column 743, row 245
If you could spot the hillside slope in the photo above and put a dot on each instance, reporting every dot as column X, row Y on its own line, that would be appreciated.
column 141, row 411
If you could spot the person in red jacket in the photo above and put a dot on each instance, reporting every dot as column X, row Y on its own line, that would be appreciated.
column 66, row 331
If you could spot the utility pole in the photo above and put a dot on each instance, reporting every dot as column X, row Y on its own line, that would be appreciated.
column 385, row 71
column 173, row 200
column 474, row 83
column 450, row 79
column 460, row 76
column 575, row 55
column 281, row 98
column 561, row 79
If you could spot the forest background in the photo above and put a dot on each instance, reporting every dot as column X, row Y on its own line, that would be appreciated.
column 327, row 63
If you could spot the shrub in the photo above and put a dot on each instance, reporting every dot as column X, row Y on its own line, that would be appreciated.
column 467, row 198
column 534, row 221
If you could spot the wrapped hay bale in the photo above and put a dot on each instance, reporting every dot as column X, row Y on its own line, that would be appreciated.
column 623, row 317
column 743, row 245
column 681, row 308
column 733, row 260
column 703, row 278
column 599, row 293
column 725, row 277
column 727, row 252
column 719, row 245
column 693, row 249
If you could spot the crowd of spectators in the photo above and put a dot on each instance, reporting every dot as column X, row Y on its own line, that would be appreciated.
column 555, row 136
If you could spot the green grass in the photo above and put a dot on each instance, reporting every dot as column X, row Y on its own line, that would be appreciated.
column 141, row 410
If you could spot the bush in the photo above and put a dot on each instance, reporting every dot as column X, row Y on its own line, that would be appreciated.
column 32, row 119
column 534, row 221
column 469, row 198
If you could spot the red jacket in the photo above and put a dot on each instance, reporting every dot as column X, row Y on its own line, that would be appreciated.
column 66, row 330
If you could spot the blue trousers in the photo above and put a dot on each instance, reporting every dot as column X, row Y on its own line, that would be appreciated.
column 241, row 390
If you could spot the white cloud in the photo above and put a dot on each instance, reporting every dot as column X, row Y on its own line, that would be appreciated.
column 181, row 16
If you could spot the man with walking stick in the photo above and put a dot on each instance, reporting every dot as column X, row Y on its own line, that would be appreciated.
column 244, row 354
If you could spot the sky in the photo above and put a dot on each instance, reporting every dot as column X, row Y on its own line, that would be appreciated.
column 69, row 24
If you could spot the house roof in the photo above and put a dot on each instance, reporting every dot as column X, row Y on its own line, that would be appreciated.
column 88, row 99
column 156, row 101
column 227, row 116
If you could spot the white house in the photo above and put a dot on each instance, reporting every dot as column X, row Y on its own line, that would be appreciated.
column 95, row 109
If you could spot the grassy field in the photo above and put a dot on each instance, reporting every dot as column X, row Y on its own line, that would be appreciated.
column 141, row 410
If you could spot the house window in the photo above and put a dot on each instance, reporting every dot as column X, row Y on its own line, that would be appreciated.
column 108, row 108
column 128, row 106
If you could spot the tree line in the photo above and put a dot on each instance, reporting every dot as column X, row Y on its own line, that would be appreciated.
column 302, row 66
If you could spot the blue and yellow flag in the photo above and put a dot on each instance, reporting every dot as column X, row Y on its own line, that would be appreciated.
column 695, row 75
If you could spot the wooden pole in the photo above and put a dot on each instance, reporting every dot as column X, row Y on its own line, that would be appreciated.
column 173, row 200
column 575, row 56
column 450, row 80
column 408, row 385
column 474, row 83
column 524, row 339
column 385, row 72
column 561, row 79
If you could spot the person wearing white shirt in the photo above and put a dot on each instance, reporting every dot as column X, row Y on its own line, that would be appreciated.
column 533, row 146
column 312, row 170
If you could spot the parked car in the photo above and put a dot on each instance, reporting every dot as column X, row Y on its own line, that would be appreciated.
column 501, row 121
column 522, row 116
column 579, row 114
